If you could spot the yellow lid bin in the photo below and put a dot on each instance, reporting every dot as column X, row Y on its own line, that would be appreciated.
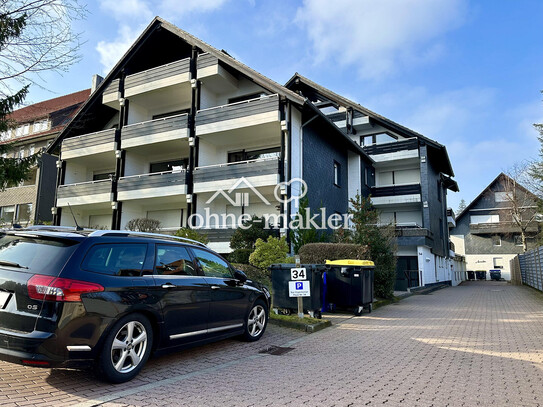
column 348, row 262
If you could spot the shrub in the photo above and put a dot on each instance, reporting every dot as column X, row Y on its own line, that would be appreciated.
column 255, row 273
column 245, row 238
column 300, row 235
column 318, row 253
column 240, row 256
column 192, row 234
column 143, row 225
column 266, row 253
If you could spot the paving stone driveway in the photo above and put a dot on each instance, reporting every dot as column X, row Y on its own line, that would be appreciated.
column 477, row 344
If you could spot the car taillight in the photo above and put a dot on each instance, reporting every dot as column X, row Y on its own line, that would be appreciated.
column 49, row 288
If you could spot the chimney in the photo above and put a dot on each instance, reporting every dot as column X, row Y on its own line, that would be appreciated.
column 96, row 81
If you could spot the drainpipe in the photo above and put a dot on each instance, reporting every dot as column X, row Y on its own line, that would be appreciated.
column 120, row 156
column 193, row 140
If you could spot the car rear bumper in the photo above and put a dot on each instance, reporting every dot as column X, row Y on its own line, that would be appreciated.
column 30, row 348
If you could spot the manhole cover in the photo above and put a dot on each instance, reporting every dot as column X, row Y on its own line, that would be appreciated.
column 276, row 350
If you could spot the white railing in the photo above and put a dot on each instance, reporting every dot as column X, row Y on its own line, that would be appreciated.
column 239, row 103
column 237, row 162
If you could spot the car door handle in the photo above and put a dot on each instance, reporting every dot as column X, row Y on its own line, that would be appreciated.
column 215, row 287
column 168, row 285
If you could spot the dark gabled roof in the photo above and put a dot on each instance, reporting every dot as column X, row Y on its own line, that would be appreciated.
column 385, row 122
column 501, row 175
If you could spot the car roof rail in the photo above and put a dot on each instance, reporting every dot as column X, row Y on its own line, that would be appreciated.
column 55, row 228
column 144, row 234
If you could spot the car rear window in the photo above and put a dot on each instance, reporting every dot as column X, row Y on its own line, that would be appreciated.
column 38, row 254
column 116, row 259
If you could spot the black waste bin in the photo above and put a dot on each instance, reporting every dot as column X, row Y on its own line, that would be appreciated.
column 495, row 275
column 281, row 301
column 471, row 275
column 481, row 275
column 349, row 284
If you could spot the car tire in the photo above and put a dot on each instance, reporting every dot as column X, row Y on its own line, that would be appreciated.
column 256, row 321
column 125, row 350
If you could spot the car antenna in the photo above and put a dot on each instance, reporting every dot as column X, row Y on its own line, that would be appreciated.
column 77, row 227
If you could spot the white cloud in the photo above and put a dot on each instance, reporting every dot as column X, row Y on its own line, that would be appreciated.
column 122, row 10
column 111, row 51
column 171, row 9
column 377, row 36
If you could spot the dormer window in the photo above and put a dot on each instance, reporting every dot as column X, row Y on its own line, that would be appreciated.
column 40, row 125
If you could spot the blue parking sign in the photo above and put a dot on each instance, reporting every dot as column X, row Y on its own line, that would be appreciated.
column 299, row 286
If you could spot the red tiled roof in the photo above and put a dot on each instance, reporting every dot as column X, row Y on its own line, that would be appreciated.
column 43, row 109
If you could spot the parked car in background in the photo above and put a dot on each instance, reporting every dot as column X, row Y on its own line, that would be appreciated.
column 71, row 298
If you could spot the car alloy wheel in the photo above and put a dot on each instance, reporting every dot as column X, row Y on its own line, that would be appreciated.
column 129, row 347
column 256, row 321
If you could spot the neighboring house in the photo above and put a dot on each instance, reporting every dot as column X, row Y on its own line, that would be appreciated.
column 408, row 183
column 36, row 127
column 485, row 232
column 194, row 134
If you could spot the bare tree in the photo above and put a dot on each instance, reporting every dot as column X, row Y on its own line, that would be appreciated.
column 37, row 36
column 521, row 205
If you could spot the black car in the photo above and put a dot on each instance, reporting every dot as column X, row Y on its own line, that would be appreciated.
column 109, row 298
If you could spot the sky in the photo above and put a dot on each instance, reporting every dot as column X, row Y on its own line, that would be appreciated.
column 467, row 74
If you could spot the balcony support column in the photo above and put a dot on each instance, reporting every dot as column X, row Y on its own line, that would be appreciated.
column 61, row 173
column 193, row 150
column 120, row 158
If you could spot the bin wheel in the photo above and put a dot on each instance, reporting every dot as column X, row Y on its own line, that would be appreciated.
column 370, row 308
column 358, row 311
column 318, row 314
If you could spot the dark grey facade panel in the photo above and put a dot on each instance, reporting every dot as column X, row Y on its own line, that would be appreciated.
column 414, row 241
column 89, row 140
column 319, row 154
column 205, row 60
column 476, row 244
column 155, row 74
column 235, row 171
column 113, row 87
column 151, row 181
column 396, row 190
column 154, row 127
column 238, row 110
column 87, row 188
column 46, row 189
column 410, row 144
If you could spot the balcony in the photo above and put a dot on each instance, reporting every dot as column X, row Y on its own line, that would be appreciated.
column 255, row 173
column 88, row 144
column 412, row 230
column 155, row 131
column 159, row 184
column 239, row 115
column 84, row 193
column 500, row 228
column 396, row 194
column 214, row 75
column 394, row 151
column 161, row 77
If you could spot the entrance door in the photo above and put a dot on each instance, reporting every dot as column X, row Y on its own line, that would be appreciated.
column 407, row 273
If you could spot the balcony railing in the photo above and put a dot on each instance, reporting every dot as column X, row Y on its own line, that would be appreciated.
column 394, row 147
column 501, row 227
column 238, row 110
column 87, row 144
column 84, row 189
column 250, row 168
column 156, row 74
column 112, row 89
column 153, row 180
column 395, row 190
column 169, row 125
column 206, row 60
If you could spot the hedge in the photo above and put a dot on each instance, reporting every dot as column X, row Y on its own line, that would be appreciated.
column 318, row 253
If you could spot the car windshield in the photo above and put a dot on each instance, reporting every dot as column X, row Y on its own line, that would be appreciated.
column 39, row 254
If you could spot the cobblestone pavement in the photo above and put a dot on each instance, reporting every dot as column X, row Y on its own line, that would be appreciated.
column 477, row 344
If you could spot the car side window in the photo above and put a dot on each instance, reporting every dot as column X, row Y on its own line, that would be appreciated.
column 212, row 265
column 173, row 260
column 116, row 259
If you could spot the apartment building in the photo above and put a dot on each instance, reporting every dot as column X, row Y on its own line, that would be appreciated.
column 408, row 183
column 182, row 132
column 485, row 232
column 36, row 126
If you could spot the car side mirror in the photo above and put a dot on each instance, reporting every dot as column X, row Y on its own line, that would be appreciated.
column 240, row 275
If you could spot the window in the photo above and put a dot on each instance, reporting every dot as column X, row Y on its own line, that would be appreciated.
column 498, row 262
column 169, row 165
column 102, row 175
column 212, row 265
column 501, row 197
column 261, row 154
column 337, row 173
column 122, row 259
column 173, row 260
column 518, row 240
column 366, row 177
column 32, row 149
column 40, row 125
column 7, row 214
column 496, row 240
column 21, row 153
column 23, row 213
column 438, row 190
column 22, row 130
column 475, row 219
column 170, row 114
column 246, row 97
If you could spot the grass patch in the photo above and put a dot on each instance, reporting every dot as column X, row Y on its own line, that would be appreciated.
column 294, row 318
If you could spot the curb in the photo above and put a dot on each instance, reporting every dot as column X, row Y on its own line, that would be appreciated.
column 300, row 325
